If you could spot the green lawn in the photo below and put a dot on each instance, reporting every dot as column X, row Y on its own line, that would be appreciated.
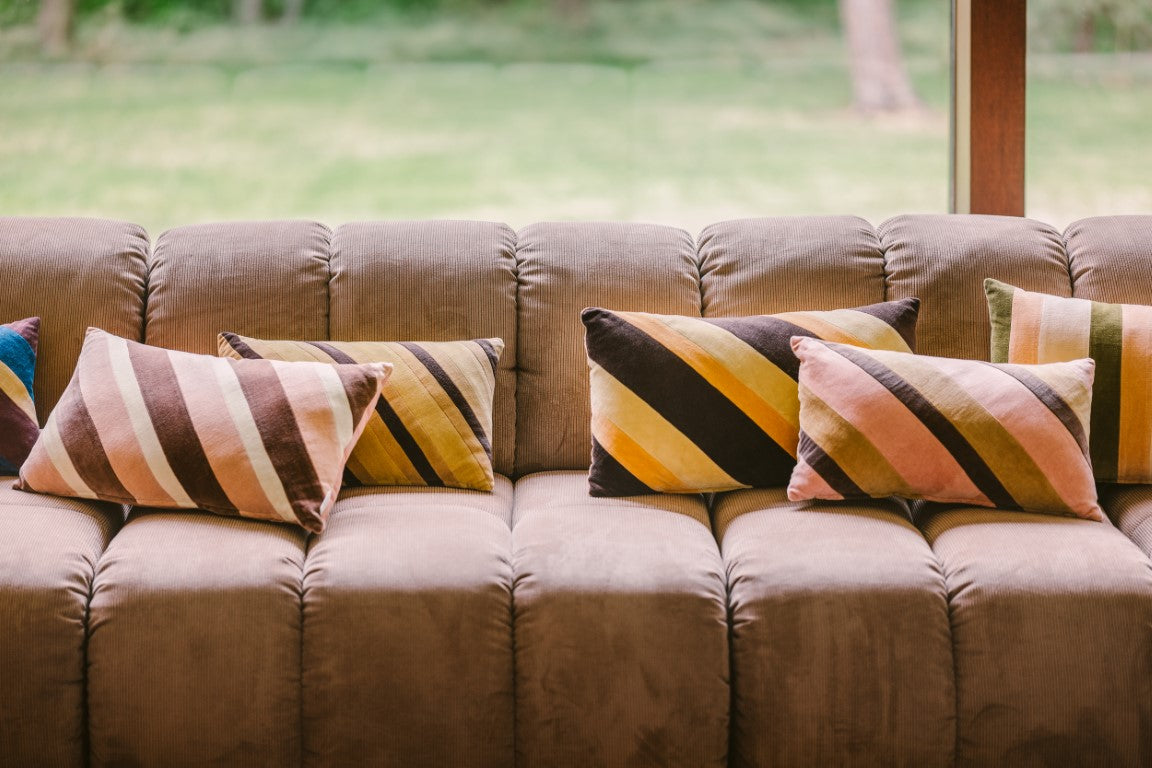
column 673, row 111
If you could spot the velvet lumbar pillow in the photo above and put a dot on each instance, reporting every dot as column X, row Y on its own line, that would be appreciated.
column 153, row 427
column 876, row 423
column 433, row 423
column 18, row 426
column 695, row 405
column 1037, row 328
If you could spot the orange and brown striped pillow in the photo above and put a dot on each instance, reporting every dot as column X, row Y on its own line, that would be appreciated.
column 153, row 427
column 433, row 423
column 694, row 405
column 875, row 423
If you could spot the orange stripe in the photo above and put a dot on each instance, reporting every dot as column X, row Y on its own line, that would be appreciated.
column 1134, row 462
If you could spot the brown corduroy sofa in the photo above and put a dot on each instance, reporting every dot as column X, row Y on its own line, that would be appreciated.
column 536, row 626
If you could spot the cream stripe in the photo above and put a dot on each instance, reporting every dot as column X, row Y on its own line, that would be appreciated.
column 10, row 382
column 237, row 406
column 58, row 455
column 338, row 399
column 858, row 328
column 1065, row 330
column 125, row 377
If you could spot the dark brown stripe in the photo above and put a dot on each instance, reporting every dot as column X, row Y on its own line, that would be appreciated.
column 770, row 336
column 1052, row 399
column 900, row 314
column 825, row 466
column 609, row 478
column 82, row 443
column 392, row 423
column 449, row 386
column 687, row 400
column 937, row 423
column 177, row 435
column 19, row 434
column 241, row 347
column 272, row 412
column 490, row 351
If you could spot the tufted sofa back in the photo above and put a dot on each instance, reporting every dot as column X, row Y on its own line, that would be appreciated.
column 440, row 280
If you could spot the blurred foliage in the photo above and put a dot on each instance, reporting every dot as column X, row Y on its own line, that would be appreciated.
column 1087, row 26
column 1055, row 25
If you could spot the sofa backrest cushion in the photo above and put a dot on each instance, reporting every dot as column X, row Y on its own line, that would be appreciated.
column 789, row 264
column 72, row 273
column 1110, row 258
column 944, row 259
column 564, row 268
column 262, row 279
column 432, row 281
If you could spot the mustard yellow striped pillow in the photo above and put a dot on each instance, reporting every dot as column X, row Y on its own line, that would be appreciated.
column 695, row 405
column 433, row 423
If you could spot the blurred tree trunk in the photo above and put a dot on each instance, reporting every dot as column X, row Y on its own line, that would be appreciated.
column 1086, row 33
column 54, row 23
column 575, row 13
column 880, row 81
column 293, row 10
column 248, row 11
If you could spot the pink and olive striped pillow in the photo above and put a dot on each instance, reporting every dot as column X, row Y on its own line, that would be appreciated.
column 154, row 427
column 876, row 423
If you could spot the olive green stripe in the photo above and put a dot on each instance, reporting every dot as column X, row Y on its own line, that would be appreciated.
column 1000, row 317
column 1104, row 346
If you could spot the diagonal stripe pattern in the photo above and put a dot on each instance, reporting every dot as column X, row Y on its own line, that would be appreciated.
column 876, row 423
column 432, row 425
column 695, row 405
column 18, row 426
column 153, row 427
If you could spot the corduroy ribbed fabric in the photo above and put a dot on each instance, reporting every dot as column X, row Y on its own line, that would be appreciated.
column 1110, row 260
column 789, row 264
column 194, row 643
column 72, row 273
column 563, row 268
column 263, row 279
column 621, row 629
column 432, row 281
column 1130, row 508
column 48, row 555
column 1051, row 631
column 407, row 657
column 944, row 259
column 841, row 647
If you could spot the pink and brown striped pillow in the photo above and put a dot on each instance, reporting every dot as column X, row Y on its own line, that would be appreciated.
column 875, row 423
column 153, row 427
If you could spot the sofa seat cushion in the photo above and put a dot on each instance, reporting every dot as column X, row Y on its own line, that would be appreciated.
column 407, row 656
column 194, row 644
column 47, row 557
column 1051, row 629
column 841, row 648
column 621, row 628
